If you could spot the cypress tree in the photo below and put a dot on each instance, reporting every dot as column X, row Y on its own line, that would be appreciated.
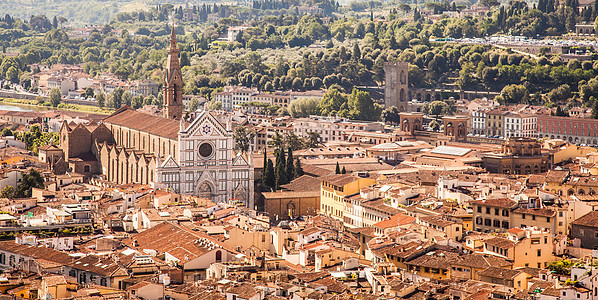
column 298, row 169
column 281, row 175
column 338, row 168
column 265, row 164
column 344, row 171
column 270, row 180
column 290, row 168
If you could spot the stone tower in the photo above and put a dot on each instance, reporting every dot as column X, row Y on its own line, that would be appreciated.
column 173, row 82
column 396, row 89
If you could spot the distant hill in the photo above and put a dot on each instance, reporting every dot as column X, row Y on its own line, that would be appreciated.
column 79, row 11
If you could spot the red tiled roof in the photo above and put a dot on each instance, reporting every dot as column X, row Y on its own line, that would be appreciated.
column 128, row 117
column 395, row 221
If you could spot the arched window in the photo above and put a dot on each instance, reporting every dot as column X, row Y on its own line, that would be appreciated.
column 218, row 256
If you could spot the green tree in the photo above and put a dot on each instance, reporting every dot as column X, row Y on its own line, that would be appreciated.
column 303, row 107
column 344, row 171
column 214, row 105
column 30, row 180
column 562, row 267
column 89, row 93
column 269, row 176
column 314, row 140
column 276, row 141
column 595, row 110
column 298, row 169
column 8, row 192
column 390, row 115
column 434, row 125
column 243, row 137
column 55, row 97
column 514, row 93
column 281, row 175
column 7, row 132
column 12, row 74
column 331, row 102
column 193, row 105
column 338, row 169
column 290, row 167
column 293, row 142
column 115, row 98
column 435, row 108
column 101, row 100
column 362, row 107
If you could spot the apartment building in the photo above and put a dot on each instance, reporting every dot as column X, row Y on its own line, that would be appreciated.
column 336, row 188
column 234, row 96
column 573, row 130
column 477, row 122
column 332, row 129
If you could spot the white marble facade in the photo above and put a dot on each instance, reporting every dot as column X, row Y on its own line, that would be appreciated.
column 207, row 164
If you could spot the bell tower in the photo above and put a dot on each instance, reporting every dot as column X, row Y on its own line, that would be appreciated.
column 173, row 82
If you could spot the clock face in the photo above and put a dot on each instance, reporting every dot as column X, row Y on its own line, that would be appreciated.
column 205, row 129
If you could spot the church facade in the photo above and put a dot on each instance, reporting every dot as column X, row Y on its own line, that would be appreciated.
column 206, row 164
column 196, row 158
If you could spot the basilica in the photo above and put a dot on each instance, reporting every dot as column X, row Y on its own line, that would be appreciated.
column 195, row 158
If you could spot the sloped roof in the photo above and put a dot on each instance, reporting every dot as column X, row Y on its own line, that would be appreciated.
column 590, row 219
column 128, row 117
column 394, row 221
column 178, row 241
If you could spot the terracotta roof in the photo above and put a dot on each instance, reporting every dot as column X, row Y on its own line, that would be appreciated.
column 438, row 221
column 395, row 221
column 54, row 280
column 500, row 242
column 590, row 220
column 340, row 179
column 48, row 254
column 496, row 272
column 178, row 241
column 98, row 265
column 291, row 194
column 309, row 277
column 303, row 183
column 544, row 212
column 128, row 117
column 551, row 292
column 503, row 203
column 310, row 230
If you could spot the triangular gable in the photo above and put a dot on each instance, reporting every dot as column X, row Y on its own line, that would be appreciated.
column 169, row 163
column 198, row 126
column 240, row 161
column 205, row 176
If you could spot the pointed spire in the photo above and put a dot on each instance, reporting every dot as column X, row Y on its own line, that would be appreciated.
column 172, row 37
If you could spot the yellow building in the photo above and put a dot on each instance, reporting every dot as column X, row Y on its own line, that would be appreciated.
column 571, row 152
column 331, row 257
column 335, row 188
column 492, row 214
column 512, row 278
column 57, row 286
column 525, row 247
column 440, row 264
column 548, row 218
